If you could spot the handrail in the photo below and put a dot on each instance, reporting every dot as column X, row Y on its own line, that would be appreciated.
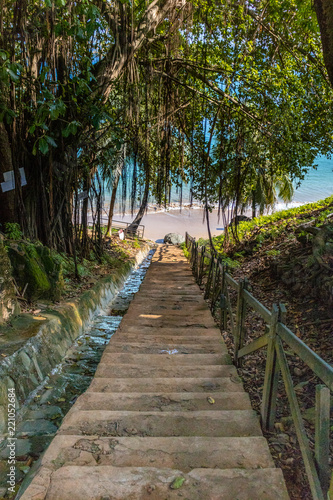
column 322, row 369
column 120, row 224
column 217, row 283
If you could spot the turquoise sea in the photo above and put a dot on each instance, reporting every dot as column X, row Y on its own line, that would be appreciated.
column 317, row 185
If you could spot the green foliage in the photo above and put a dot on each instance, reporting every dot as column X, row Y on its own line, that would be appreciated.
column 135, row 243
column 273, row 253
column 269, row 227
column 13, row 231
column 185, row 251
column 231, row 263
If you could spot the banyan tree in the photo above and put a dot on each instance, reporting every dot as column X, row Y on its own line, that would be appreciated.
column 208, row 93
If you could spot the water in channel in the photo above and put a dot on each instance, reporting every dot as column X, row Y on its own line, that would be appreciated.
column 42, row 415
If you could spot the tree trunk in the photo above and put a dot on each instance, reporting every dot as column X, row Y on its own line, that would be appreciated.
column 8, row 211
column 84, row 216
column 324, row 11
column 136, row 222
column 112, row 202
column 254, row 211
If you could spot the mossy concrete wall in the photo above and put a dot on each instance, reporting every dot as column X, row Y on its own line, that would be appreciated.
column 35, row 270
column 8, row 303
column 54, row 334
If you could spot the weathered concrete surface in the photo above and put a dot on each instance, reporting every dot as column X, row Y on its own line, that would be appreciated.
column 106, row 371
column 194, row 384
column 166, row 404
column 143, row 483
column 166, row 401
column 183, row 453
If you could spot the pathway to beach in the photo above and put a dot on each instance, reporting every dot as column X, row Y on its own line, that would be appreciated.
column 166, row 415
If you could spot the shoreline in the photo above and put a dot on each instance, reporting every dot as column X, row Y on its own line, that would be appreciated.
column 160, row 221
column 178, row 220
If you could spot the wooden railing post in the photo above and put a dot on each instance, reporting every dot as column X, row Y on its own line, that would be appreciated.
column 196, row 271
column 192, row 252
column 196, row 264
column 209, row 278
column 268, row 408
column 240, row 319
column 215, row 284
column 322, row 435
column 201, row 265
column 223, row 300
column 223, row 312
column 309, row 462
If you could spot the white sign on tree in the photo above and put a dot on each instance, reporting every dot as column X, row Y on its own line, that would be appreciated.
column 9, row 179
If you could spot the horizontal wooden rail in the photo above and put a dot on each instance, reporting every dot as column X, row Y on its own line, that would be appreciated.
column 322, row 369
column 233, row 283
column 257, row 306
column 254, row 346
column 216, row 284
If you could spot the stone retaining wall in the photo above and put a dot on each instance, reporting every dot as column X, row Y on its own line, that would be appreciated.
column 28, row 367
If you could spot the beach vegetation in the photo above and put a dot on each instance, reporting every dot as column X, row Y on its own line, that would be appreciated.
column 293, row 223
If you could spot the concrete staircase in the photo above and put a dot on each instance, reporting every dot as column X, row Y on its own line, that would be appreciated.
column 166, row 415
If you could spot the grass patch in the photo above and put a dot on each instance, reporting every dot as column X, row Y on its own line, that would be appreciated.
column 251, row 235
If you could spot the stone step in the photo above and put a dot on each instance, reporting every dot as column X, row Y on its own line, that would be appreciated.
column 206, row 385
column 159, row 346
column 172, row 304
column 108, row 370
column 159, row 292
column 160, row 319
column 162, row 359
column 182, row 453
column 190, row 401
column 150, row 325
column 218, row 423
column 201, row 335
column 196, row 329
column 169, row 299
column 170, row 279
column 169, row 271
column 138, row 312
column 179, row 285
column 168, row 262
column 143, row 483
column 207, row 340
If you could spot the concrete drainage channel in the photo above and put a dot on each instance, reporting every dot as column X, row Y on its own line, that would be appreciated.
column 43, row 412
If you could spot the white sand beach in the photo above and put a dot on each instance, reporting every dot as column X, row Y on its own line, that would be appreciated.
column 158, row 224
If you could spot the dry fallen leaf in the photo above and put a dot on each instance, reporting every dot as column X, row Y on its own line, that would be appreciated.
column 211, row 400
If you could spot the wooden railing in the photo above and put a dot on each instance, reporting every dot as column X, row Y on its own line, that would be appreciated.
column 138, row 232
column 219, row 285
